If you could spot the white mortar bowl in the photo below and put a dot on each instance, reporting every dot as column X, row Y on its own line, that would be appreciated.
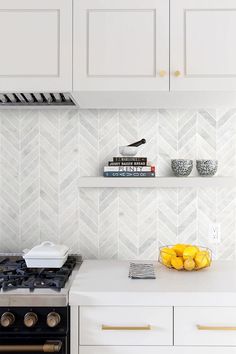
column 128, row 150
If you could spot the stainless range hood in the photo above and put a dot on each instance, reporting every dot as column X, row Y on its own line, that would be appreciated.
column 119, row 100
column 36, row 100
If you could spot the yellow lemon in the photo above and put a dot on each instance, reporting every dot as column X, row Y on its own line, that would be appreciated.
column 206, row 255
column 190, row 252
column 177, row 262
column 189, row 264
column 166, row 254
column 202, row 259
column 179, row 249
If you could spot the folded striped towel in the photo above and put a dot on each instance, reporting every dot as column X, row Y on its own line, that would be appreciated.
column 141, row 271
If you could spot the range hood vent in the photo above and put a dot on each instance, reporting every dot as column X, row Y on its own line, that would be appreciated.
column 36, row 99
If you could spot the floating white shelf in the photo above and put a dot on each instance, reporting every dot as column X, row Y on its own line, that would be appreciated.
column 157, row 182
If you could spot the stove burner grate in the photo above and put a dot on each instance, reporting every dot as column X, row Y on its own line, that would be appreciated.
column 14, row 274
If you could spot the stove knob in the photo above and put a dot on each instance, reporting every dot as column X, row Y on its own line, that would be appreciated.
column 30, row 319
column 53, row 319
column 7, row 319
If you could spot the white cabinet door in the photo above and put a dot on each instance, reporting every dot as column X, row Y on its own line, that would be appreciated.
column 203, row 47
column 201, row 326
column 121, row 45
column 36, row 45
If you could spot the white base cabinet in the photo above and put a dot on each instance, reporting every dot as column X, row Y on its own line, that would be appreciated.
column 177, row 313
column 149, row 330
column 156, row 350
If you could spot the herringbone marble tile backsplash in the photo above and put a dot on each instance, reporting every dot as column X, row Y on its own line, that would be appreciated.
column 44, row 152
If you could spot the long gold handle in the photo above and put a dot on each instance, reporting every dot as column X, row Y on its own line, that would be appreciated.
column 48, row 347
column 215, row 328
column 126, row 328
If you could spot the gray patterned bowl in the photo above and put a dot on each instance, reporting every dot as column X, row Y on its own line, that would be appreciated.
column 181, row 167
column 207, row 168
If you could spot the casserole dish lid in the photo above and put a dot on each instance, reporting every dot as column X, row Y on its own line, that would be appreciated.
column 47, row 249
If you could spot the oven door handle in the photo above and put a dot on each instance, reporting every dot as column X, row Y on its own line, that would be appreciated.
column 47, row 347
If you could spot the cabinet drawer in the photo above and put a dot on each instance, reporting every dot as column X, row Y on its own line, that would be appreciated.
column 126, row 325
column 123, row 350
column 205, row 326
column 156, row 350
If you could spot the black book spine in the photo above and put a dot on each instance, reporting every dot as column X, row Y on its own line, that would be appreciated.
column 127, row 163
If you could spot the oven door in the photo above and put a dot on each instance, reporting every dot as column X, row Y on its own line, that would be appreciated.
column 32, row 345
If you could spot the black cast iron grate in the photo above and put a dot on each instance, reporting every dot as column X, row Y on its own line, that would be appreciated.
column 14, row 274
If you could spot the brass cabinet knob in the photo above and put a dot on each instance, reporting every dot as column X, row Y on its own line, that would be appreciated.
column 177, row 73
column 7, row 319
column 30, row 319
column 53, row 319
column 162, row 73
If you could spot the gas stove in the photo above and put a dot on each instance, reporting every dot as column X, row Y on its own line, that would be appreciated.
column 22, row 286
column 14, row 274
column 34, row 310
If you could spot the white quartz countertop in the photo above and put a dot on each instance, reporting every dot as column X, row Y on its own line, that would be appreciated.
column 106, row 283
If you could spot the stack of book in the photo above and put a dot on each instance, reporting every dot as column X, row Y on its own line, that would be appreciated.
column 129, row 167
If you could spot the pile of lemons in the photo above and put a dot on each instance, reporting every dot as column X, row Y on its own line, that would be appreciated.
column 187, row 257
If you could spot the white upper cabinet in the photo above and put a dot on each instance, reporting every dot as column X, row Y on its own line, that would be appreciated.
column 121, row 56
column 121, row 45
column 203, row 46
column 36, row 45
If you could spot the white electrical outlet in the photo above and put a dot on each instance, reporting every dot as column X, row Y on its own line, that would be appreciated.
column 214, row 233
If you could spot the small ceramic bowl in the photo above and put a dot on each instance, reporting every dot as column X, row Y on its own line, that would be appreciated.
column 207, row 168
column 128, row 150
column 181, row 167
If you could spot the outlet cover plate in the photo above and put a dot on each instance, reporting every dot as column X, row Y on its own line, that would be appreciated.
column 214, row 234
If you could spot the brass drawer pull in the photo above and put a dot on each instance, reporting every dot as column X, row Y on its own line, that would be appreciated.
column 126, row 328
column 215, row 328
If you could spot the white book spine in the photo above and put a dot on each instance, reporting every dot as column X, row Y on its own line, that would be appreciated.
column 129, row 169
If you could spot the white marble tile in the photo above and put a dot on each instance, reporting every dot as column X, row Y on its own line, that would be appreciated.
column 42, row 154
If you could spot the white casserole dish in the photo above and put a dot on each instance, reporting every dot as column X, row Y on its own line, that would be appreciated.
column 46, row 255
